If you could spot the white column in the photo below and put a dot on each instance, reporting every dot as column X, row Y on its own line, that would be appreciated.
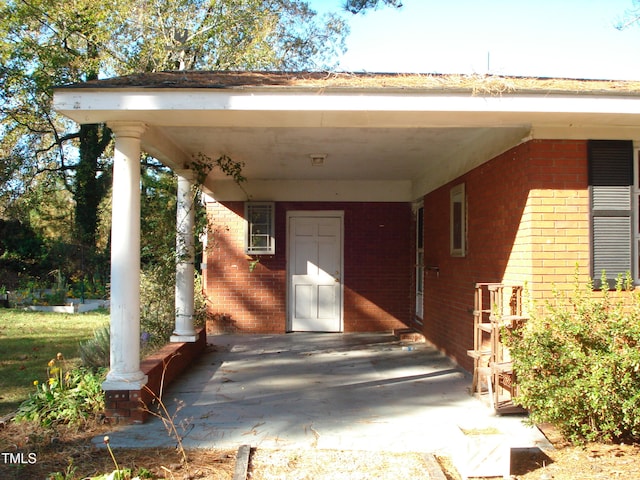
column 185, row 258
column 125, row 373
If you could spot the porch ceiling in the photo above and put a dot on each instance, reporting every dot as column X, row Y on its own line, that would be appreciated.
column 379, row 142
column 357, row 153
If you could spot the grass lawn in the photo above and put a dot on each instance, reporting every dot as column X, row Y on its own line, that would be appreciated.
column 28, row 340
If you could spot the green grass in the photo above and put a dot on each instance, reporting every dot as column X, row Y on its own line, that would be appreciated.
column 28, row 340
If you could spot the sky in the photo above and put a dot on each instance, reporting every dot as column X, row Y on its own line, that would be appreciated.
column 540, row 38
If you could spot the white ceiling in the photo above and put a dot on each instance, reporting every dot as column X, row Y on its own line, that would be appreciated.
column 351, row 153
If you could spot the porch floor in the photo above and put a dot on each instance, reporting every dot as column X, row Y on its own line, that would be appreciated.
column 328, row 391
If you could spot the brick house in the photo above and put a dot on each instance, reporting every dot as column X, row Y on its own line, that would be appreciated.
column 375, row 202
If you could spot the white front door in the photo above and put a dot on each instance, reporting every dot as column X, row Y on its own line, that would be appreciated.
column 315, row 271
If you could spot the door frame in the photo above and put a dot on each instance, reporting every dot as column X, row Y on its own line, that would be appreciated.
column 311, row 214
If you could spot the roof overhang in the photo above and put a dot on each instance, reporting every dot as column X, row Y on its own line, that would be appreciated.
column 380, row 142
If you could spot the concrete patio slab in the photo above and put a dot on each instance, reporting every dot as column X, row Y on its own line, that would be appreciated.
column 328, row 391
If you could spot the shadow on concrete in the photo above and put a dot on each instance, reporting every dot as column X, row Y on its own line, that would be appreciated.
column 318, row 390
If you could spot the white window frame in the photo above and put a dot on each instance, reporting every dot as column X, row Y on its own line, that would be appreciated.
column 458, row 233
column 267, row 229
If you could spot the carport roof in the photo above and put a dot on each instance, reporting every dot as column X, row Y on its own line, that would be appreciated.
column 479, row 84
column 384, row 136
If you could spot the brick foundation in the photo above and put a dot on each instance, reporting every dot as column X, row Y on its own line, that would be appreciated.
column 128, row 406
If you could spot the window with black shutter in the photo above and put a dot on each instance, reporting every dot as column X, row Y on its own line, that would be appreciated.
column 610, row 190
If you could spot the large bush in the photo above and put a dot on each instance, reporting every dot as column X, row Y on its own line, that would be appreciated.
column 578, row 364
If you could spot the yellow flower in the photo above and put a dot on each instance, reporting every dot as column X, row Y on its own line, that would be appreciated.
column 35, row 383
column 52, row 381
column 54, row 371
column 52, row 362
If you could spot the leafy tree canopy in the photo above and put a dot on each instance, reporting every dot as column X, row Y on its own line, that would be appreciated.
column 49, row 42
column 54, row 174
column 357, row 6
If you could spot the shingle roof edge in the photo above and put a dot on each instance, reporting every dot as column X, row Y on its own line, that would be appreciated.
column 475, row 84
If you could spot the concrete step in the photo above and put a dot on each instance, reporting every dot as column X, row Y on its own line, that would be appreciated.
column 409, row 335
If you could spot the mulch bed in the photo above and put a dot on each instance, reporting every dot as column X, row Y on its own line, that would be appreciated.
column 66, row 449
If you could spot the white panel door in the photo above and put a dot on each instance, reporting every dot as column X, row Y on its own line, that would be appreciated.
column 315, row 263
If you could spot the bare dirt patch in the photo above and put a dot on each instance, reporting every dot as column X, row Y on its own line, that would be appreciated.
column 591, row 462
column 71, row 450
column 594, row 461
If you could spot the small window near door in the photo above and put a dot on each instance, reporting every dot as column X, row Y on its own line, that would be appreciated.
column 458, row 218
column 260, row 239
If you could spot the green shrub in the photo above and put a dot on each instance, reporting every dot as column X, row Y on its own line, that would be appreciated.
column 157, row 307
column 96, row 351
column 69, row 397
column 578, row 364
column 157, row 319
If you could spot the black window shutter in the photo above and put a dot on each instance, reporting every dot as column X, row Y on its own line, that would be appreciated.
column 610, row 189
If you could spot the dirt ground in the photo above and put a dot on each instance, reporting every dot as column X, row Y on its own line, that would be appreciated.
column 594, row 461
column 72, row 451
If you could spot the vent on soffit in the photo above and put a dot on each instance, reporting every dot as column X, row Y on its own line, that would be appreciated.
column 317, row 159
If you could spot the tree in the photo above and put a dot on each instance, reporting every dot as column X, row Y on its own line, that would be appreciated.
column 630, row 17
column 49, row 42
column 230, row 35
column 357, row 6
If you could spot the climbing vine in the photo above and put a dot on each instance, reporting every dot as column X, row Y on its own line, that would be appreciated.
column 202, row 165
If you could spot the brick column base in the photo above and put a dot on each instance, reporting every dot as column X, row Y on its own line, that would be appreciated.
column 130, row 406
column 124, row 406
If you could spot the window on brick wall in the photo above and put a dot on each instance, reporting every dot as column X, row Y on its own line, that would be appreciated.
column 612, row 196
column 458, row 220
column 260, row 239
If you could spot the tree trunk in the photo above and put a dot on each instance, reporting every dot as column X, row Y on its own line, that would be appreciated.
column 90, row 189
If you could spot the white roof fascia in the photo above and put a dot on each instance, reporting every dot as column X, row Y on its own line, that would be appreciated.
column 89, row 105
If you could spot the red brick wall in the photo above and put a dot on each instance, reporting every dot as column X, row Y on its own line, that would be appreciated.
column 527, row 221
column 377, row 268
column 242, row 301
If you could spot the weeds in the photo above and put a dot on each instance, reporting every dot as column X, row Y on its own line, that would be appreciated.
column 68, row 474
column 68, row 396
column 168, row 420
column 118, row 473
